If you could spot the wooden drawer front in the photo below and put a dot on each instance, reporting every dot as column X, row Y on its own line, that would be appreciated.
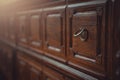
column 87, row 34
column 36, row 29
column 87, row 20
column 22, row 70
column 9, row 53
column 54, row 30
column 22, row 23
column 11, row 28
column 5, row 29
column 31, row 68
column 50, row 74
column 2, row 31
column 35, row 74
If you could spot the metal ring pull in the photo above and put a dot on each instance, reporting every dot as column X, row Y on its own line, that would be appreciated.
column 83, row 33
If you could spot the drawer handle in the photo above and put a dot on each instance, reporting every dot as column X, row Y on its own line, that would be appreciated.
column 83, row 33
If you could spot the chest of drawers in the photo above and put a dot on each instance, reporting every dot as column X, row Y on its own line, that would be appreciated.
column 62, row 39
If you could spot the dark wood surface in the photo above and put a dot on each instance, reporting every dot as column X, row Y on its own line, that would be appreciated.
column 88, row 53
column 60, row 40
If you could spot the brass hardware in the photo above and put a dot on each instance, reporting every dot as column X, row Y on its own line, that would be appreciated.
column 83, row 33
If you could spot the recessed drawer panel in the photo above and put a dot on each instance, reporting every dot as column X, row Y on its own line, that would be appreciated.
column 50, row 74
column 54, row 27
column 22, row 28
column 11, row 28
column 36, row 29
column 86, row 35
column 54, row 23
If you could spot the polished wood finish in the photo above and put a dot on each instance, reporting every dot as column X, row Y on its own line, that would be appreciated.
column 36, row 29
column 89, row 53
column 60, row 40
column 22, row 28
column 54, row 31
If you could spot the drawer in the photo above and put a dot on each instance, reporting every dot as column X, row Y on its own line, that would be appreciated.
column 54, row 30
column 22, row 70
column 35, row 26
column 35, row 74
column 5, row 29
column 22, row 30
column 86, row 35
column 12, row 28
column 49, row 74
column 31, row 69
